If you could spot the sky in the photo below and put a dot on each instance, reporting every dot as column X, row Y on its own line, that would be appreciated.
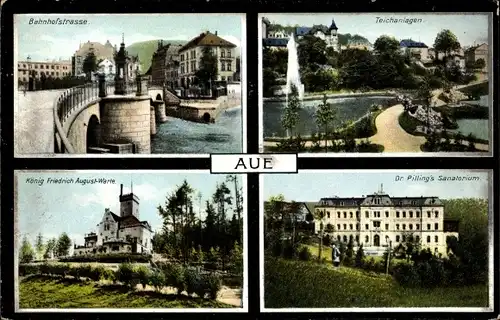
column 52, row 209
column 310, row 186
column 54, row 42
column 468, row 28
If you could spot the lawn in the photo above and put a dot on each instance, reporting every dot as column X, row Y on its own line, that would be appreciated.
column 47, row 292
column 300, row 284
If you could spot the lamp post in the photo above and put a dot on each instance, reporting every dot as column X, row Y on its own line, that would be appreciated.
column 29, row 74
column 389, row 242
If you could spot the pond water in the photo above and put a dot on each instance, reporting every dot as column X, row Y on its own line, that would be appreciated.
column 181, row 136
column 478, row 127
column 351, row 108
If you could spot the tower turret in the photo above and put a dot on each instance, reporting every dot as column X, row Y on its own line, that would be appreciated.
column 129, row 204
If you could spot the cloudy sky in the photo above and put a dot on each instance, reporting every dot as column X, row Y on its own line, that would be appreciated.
column 75, row 209
column 467, row 27
column 45, row 41
column 307, row 186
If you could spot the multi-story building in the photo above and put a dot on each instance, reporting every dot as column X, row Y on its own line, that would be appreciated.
column 190, row 54
column 477, row 52
column 378, row 220
column 107, row 67
column 101, row 51
column 119, row 233
column 53, row 69
column 165, row 64
column 419, row 50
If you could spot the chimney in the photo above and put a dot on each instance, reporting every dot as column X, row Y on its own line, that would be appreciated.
column 215, row 32
column 121, row 189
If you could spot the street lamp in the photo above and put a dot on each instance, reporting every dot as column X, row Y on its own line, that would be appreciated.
column 28, row 59
column 389, row 242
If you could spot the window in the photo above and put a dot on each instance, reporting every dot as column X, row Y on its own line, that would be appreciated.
column 428, row 214
column 404, row 238
column 345, row 238
column 341, row 203
column 229, row 66
column 367, row 214
column 428, row 226
column 367, row 239
column 404, row 214
column 411, row 214
column 350, row 214
column 436, row 238
column 428, row 239
column 417, row 226
column 357, row 239
column 386, row 226
column 115, row 248
column 229, row 53
column 350, row 226
column 52, row 67
column 397, row 226
column 404, row 226
column 397, row 214
column 397, row 238
column 366, row 226
column 387, row 214
column 328, row 214
column 357, row 214
column 222, row 54
column 436, row 226
column 338, row 238
column 436, row 214
column 338, row 227
column 345, row 214
column 338, row 214
column 345, row 226
column 417, row 238
column 411, row 226
column 357, row 226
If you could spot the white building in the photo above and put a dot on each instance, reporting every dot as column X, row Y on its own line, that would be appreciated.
column 107, row 67
column 119, row 233
column 378, row 220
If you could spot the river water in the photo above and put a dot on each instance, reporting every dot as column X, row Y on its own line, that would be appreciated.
column 351, row 109
column 177, row 136
column 478, row 127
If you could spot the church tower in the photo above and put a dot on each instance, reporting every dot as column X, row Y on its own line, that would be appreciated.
column 129, row 203
column 333, row 37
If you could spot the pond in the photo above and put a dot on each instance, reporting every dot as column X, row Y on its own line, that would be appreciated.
column 351, row 108
column 478, row 127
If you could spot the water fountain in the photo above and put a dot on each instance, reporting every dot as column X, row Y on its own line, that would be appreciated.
column 292, row 72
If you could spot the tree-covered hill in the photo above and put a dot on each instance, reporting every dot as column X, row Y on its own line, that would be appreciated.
column 145, row 50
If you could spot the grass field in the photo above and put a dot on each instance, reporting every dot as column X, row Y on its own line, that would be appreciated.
column 299, row 284
column 46, row 292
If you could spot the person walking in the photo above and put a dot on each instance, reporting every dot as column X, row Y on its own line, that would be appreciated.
column 335, row 256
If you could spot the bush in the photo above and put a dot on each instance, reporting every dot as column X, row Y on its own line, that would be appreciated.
column 174, row 274
column 305, row 254
column 406, row 275
column 110, row 258
column 28, row 269
column 157, row 279
column 194, row 282
column 126, row 275
column 109, row 274
column 213, row 284
column 142, row 274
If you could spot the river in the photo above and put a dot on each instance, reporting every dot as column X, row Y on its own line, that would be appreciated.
column 177, row 136
column 478, row 127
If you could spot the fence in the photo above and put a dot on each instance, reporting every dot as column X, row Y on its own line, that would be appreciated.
column 75, row 98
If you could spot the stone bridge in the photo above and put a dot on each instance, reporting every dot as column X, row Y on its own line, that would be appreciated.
column 108, row 118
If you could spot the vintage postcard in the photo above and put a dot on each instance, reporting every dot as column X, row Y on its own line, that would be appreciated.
column 118, row 84
column 377, row 240
column 412, row 84
column 131, row 241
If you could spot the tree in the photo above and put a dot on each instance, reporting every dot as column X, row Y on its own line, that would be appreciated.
column 238, row 204
column 480, row 64
column 26, row 254
column 291, row 116
column 446, row 42
column 39, row 245
column 312, row 52
column 207, row 71
column 325, row 115
column 360, row 257
column 50, row 249
column 350, row 251
column 425, row 94
column 89, row 64
column 63, row 245
column 320, row 215
column 273, row 224
column 386, row 45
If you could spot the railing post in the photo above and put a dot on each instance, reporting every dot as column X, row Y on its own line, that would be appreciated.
column 102, row 85
column 142, row 85
column 120, row 86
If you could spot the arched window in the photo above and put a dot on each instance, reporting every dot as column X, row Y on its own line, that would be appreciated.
column 436, row 239
column 367, row 239
column 397, row 238
column 428, row 238
column 345, row 238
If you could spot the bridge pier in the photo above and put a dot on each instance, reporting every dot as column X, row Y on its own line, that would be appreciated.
column 159, row 107
column 127, row 119
column 152, row 121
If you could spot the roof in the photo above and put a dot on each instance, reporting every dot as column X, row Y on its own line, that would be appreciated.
column 207, row 39
column 301, row 31
column 380, row 200
column 275, row 42
column 473, row 48
column 333, row 26
column 412, row 44
column 266, row 21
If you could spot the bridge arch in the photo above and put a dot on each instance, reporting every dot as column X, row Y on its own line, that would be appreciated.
column 206, row 117
column 93, row 132
column 158, row 97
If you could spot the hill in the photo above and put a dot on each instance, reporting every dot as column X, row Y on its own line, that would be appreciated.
column 145, row 50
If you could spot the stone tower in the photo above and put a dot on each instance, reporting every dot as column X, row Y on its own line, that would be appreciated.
column 129, row 203
column 333, row 37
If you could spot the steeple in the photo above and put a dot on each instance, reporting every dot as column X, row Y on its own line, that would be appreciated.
column 333, row 26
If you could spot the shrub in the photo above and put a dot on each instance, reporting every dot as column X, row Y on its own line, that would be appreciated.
column 142, row 274
column 61, row 269
column 110, row 258
column 175, row 277
column 28, row 269
column 74, row 272
column 157, row 279
column 305, row 254
column 213, row 284
column 406, row 275
column 237, row 259
column 194, row 282
column 97, row 273
column 85, row 271
column 125, row 274
column 109, row 274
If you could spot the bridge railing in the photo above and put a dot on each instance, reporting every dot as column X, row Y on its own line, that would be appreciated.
column 73, row 99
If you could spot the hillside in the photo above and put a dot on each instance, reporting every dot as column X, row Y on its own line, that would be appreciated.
column 145, row 50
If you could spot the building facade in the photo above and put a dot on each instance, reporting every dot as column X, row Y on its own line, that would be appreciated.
column 191, row 53
column 101, row 51
column 165, row 64
column 107, row 67
column 478, row 52
column 119, row 233
column 418, row 50
column 378, row 220
column 53, row 69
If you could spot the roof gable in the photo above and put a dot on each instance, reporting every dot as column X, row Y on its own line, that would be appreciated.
column 207, row 39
